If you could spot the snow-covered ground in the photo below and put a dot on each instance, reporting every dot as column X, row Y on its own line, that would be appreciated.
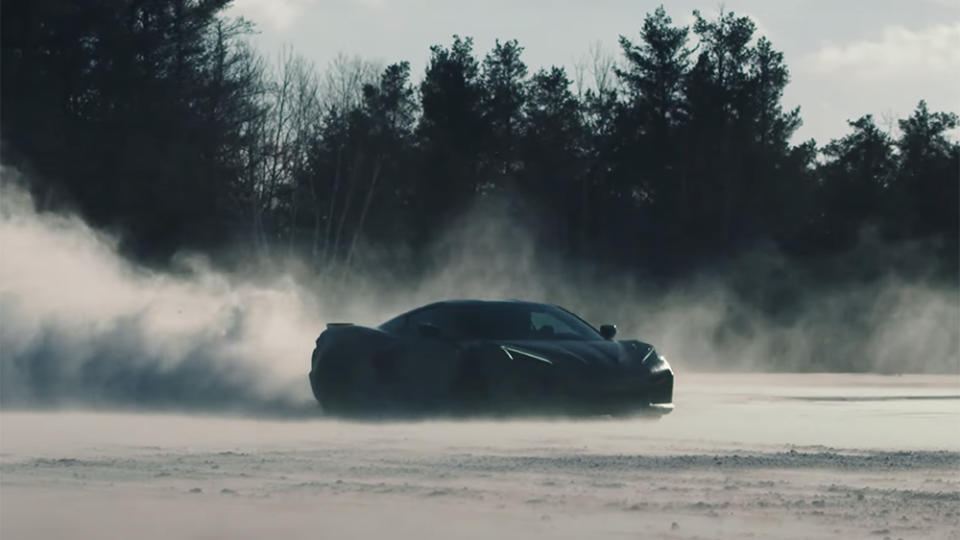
column 743, row 456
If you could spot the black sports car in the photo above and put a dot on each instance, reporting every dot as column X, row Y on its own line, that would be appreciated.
column 473, row 356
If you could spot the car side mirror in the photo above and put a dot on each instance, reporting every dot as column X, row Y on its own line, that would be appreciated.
column 429, row 331
column 608, row 331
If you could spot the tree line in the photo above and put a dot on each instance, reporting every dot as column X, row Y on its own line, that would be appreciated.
column 158, row 119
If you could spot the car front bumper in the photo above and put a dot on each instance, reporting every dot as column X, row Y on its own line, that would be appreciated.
column 651, row 392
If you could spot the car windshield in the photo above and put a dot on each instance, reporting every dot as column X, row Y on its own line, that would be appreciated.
column 505, row 322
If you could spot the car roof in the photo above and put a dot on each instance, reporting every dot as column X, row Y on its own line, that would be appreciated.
column 466, row 302
column 479, row 303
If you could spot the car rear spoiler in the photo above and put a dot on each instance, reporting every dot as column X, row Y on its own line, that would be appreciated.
column 337, row 324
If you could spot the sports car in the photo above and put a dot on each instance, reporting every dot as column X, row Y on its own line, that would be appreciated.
column 480, row 357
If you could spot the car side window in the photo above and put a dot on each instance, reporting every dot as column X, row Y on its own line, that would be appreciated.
column 546, row 325
column 430, row 316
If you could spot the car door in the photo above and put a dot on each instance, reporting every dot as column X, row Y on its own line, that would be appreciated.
column 426, row 367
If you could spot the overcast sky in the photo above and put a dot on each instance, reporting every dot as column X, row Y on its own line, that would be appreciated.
column 846, row 57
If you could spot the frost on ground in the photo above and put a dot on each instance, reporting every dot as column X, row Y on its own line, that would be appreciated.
column 743, row 456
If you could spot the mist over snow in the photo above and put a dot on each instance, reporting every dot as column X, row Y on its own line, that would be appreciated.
column 82, row 326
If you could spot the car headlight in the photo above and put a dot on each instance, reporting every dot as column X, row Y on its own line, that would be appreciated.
column 654, row 362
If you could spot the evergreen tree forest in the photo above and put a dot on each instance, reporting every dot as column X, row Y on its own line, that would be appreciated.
column 158, row 121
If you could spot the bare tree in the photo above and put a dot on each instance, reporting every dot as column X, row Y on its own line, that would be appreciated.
column 602, row 64
column 342, row 91
column 345, row 78
column 292, row 102
column 305, row 118
column 377, row 168
column 595, row 71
